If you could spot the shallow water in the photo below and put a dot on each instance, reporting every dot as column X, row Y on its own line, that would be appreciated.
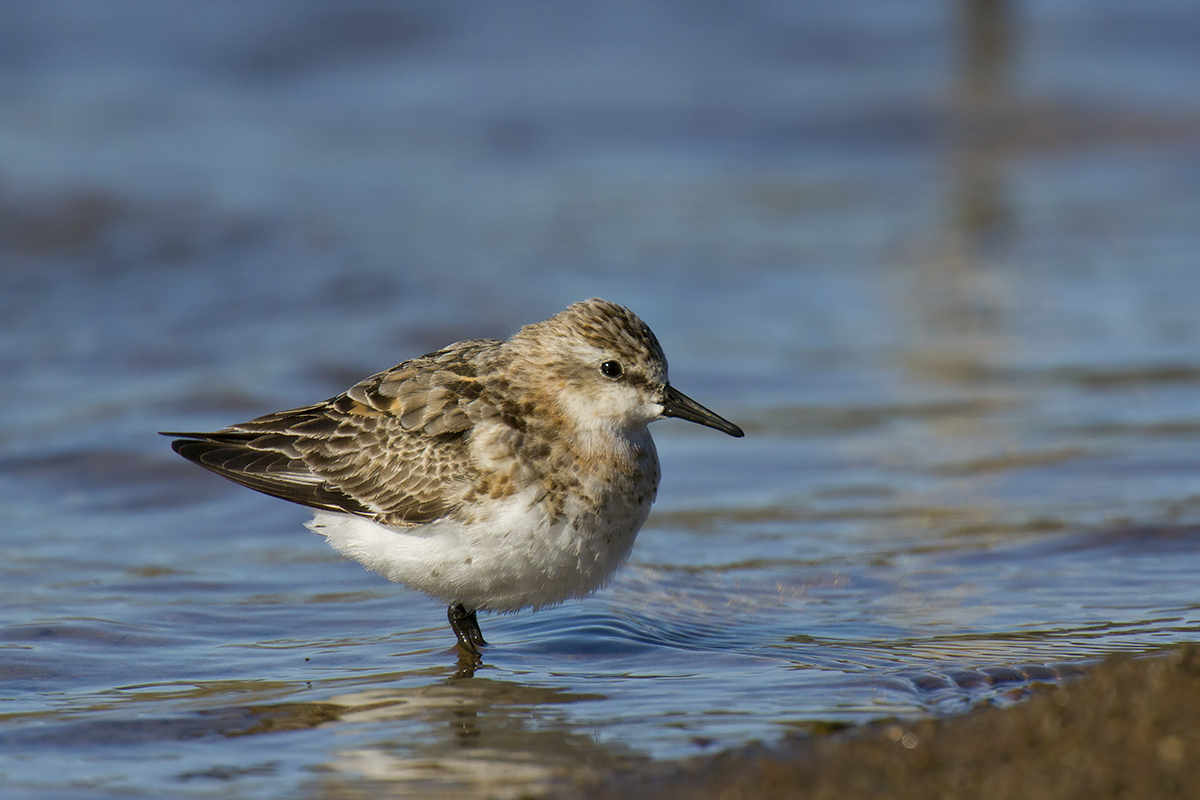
column 956, row 319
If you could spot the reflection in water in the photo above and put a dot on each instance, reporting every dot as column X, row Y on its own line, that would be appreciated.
column 475, row 738
column 961, row 306
column 959, row 303
column 467, row 665
column 462, row 738
column 984, row 106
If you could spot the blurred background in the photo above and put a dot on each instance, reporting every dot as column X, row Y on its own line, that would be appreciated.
column 937, row 258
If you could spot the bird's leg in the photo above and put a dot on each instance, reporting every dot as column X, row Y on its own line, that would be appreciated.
column 466, row 629
column 473, row 630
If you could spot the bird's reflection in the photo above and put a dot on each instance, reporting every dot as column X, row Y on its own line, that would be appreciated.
column 467, row 664
column 465, row 736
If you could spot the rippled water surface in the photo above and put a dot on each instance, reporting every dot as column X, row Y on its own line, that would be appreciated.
column 948, row 287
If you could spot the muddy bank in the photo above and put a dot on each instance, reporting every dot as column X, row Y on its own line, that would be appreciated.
column 1127, row 730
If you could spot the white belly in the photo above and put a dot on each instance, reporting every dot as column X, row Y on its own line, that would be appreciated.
column 514, row 557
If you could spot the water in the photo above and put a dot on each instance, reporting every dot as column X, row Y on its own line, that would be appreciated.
column 952, row 306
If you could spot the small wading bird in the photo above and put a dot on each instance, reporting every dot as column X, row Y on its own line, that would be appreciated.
column 493, row 476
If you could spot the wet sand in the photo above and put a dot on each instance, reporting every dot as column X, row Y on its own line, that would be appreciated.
column 1126, row 730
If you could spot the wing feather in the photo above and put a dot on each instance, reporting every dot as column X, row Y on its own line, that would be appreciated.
column 394, row 447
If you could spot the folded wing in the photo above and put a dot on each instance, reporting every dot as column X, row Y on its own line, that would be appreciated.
column 393, row 447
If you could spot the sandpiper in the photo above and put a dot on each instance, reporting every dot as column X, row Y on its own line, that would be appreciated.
column 491, row 475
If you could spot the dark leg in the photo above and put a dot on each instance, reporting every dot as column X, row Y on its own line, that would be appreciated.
column 466, row 629
column 474, row 631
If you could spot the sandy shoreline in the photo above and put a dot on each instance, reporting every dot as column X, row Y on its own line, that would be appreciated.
column 1126, row 730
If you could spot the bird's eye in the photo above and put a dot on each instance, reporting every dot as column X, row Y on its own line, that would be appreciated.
column 611, row 369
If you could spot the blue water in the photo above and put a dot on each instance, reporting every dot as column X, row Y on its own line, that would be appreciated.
column 954, row 310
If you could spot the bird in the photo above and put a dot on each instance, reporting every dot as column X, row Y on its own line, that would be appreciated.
column 492, row 475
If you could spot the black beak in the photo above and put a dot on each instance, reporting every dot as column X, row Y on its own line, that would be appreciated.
column 677, row 404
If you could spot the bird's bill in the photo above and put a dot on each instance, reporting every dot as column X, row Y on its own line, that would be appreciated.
column 677, row 404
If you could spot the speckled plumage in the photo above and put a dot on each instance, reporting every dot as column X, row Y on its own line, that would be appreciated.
column 491, row 475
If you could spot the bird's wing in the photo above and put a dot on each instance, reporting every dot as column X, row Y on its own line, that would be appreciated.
column 393, row 447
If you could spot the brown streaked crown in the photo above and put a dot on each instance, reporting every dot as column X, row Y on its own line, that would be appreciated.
column 603, row 326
